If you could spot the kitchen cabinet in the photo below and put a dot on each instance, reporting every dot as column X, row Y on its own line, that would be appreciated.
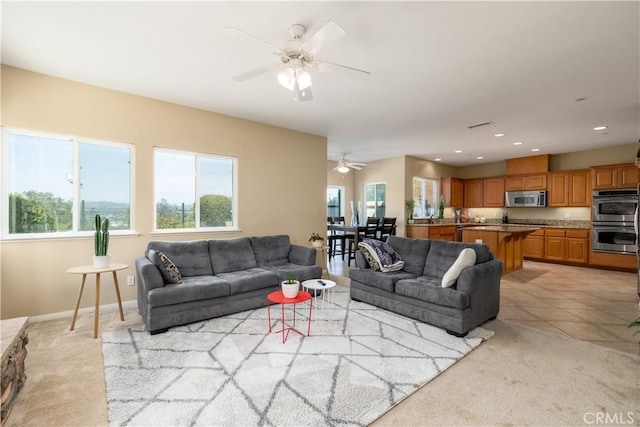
column 435, row 232
column 570, row 245
column 473, row 193
column 569, row 188
column 533, row 245
column 528, row 165
column 526, row 182
column 615, row 176
column 493, row 192
column 453, row 191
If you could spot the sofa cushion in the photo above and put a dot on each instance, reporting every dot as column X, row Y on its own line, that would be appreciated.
column 168, row 269
column 429, row 289
column 249, row 280
column 443, row 254
column 190, row 257
column 385, row 258
column 231, row 255
column 271, row 250
column 192, row 288
column 466, row 258
column 378, row 279
column 412, row 251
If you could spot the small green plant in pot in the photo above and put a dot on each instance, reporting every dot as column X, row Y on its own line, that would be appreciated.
column 410, row 205
column 290, row 286
column 635, row 324
column 316, row 240
column 101, row 242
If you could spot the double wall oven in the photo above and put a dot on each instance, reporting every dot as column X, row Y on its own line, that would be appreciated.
column 615, row 221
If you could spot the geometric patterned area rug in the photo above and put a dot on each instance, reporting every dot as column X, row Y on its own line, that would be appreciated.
column 358, row 362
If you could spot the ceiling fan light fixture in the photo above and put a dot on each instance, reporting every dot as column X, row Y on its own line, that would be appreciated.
column 287, row 78
column 343, row 169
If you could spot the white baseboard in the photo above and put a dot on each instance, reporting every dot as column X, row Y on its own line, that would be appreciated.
column 69, row 313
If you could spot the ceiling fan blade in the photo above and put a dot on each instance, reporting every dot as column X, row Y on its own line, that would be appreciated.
column 237, row 31
column 350, row 72
column 352, row 166
column 255, row 73
column 356, row 164
column 328, row 33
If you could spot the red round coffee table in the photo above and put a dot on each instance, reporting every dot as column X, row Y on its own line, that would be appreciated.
column 278, row 298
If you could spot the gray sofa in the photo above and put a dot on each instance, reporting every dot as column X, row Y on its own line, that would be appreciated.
column 416, row 291
column 219, row 277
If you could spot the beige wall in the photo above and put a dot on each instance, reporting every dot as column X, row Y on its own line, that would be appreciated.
column 281, row 185
column 625, row 153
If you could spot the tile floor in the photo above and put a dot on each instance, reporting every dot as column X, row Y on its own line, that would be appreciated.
column 585, row 303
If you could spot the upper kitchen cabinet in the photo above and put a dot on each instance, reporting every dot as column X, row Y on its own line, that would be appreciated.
column 493, row 192
column 473, row 193
column 453, row 191
column 569, row 188
column 526, row 182
column 528, row 166
column 615, row 176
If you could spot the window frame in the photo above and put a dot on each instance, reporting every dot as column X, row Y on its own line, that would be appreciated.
column 419, row 210
column 76, row 167
column 375, row 192
column 197, row 229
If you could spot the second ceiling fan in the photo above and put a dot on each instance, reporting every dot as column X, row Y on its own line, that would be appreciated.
column 297, row 59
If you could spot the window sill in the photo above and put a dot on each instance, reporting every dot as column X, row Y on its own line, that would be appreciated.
column 44, row 238
column 192, row 232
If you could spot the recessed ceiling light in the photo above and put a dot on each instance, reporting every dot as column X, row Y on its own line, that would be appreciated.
column 458, row 151
column 517, row 143
column 599, row 128
column 535, row 149
column 498, row 135
column 437, row 160
column 479, row 157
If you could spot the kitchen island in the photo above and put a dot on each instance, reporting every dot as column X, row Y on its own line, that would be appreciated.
column 505, row 242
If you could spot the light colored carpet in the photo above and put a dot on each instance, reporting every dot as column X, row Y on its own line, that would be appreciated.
column 521, row 376
column 358, row 362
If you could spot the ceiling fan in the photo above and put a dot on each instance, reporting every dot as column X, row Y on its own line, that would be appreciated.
column 343, row 165
column 297, row 58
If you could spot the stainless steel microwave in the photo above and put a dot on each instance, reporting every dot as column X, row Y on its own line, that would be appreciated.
column 526, row 199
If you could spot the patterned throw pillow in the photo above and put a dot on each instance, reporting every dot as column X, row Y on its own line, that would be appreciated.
column 383, row 254
column 169, row 271
column 369, row 257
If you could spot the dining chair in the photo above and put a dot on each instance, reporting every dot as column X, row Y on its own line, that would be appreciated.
column 338, row 237
column 387, row 228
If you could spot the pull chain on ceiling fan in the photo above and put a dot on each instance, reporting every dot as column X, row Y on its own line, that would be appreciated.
column 297, row 58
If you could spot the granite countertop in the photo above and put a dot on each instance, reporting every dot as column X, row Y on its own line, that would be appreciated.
column 506, row 228
column 584, row 225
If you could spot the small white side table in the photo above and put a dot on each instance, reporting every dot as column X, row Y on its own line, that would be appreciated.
column 89, row 269
column 315, row 285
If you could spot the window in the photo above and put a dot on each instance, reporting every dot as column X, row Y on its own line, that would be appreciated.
column 335, row 204
column 425, row 194
column 194, row 191
column 374, row 199
column 55, row 185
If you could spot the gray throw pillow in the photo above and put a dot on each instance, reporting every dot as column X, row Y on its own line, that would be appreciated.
column 167, row 268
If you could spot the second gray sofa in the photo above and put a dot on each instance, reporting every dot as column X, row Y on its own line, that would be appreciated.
column 416, row 290
column 219, row 277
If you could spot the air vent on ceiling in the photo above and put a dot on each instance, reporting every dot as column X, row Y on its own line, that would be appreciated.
column 477, row 125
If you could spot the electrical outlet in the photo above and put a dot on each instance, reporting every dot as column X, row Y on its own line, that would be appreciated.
column 131, row 280
column 566, row 215
column 479, row 241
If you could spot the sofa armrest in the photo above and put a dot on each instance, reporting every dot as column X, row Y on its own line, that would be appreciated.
column 149, row 276
column 302, row 255
column 482, row 283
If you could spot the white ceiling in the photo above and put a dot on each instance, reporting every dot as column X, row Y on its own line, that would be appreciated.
column 437, row 67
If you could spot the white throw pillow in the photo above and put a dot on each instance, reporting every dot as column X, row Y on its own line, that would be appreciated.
column 466, row 259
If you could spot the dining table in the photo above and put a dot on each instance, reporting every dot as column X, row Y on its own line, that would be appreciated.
column 348, row 229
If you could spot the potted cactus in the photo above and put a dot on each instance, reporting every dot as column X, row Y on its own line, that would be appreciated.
column 101, row 242
column 290, row 286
